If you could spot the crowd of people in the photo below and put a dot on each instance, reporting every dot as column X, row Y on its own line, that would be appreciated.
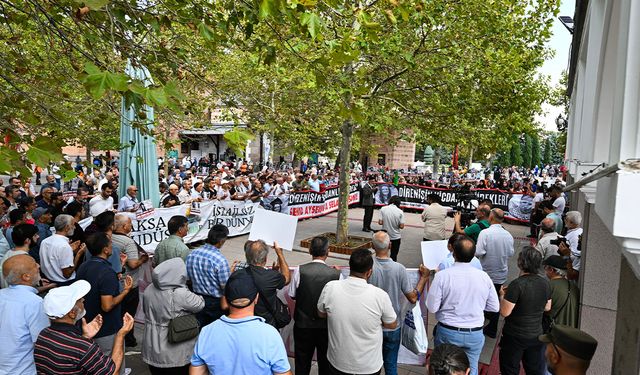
column 205, row 315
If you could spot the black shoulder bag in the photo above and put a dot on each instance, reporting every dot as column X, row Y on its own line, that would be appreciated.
column 281, row 314
column 547, row 321
column 182, row 328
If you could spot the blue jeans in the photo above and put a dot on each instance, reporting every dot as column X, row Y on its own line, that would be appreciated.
column 390, row 348
column 470, row 342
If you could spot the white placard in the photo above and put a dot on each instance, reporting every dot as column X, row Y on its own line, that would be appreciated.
column 272, row 226
column 433, row 253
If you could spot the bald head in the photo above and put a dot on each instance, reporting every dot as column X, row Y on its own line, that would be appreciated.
column 381, row 242
column 21, row 270
column 122, row 223
column 496, row 216
column 547, row 225
column 132, row 190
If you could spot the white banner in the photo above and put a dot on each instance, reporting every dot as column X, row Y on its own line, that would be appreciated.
column 149, row 230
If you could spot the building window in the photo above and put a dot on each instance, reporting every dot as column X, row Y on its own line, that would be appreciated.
column 382, row 159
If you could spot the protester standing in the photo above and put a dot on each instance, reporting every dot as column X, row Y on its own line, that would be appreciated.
column 392, row 277
column 392, row 221
column 523, row 304
column 369, row 190
column 434, row 216
column 458, row 296
column 310, row 332
column 165, row 299
column 208, row 271
column 58, row 258
column 21, row 315
column 568, row 350
column 356, row 312
column 482, row 214
column 494, row 248
column 565, row 295
column 173, row 246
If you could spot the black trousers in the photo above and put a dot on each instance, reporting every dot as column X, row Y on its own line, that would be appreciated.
column 184, row 370
column 211, row 312
column 130, row 305
column 368, row 216
column 491, row 329
column 395, row 249
column 335, row 371
column 514, row 349
column 308, row 340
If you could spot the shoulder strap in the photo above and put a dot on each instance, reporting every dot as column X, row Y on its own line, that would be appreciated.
column 482, row 224
column 565, row 301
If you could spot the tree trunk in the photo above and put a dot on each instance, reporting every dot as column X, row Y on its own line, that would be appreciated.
column 89, row 160
column 436, row 162
column 342, row 230
column 470, row 157
column 167, row 134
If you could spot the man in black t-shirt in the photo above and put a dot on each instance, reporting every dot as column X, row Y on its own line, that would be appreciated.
column 268, row 281
column 522, row 304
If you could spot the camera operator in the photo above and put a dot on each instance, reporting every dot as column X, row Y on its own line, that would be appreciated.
column 482, row 213
column 545, row 245
column 573, row 220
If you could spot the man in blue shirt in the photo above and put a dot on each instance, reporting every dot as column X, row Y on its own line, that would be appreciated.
column 105, row 296
column 208, row 271
column 240, row 343
column 450, row 260
column 21, row 314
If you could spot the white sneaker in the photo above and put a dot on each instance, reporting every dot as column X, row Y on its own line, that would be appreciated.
column 127, row 371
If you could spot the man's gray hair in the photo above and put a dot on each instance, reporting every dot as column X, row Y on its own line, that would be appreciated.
column 62, row 221
column 120, row 221
column 547, row 225
column 380, row 241
column 574, row 217
column 560, row 272
column 256, row 252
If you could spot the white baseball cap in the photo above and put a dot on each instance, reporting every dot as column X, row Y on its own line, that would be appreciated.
column 59, row 301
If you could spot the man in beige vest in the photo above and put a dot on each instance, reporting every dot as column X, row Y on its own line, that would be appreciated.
column 434, row 216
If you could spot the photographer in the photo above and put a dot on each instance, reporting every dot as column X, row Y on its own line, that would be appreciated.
column 573, row 220
column 545, row 246
column 482, row 213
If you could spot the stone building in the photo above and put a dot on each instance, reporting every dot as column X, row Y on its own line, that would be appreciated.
column 604, row 127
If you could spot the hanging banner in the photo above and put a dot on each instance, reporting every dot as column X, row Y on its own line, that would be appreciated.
column 415, row 196
column 307, row 204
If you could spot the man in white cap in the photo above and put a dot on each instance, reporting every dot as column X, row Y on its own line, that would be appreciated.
column 64, row 348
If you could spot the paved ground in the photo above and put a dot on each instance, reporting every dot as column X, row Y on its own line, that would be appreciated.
column 409, row 255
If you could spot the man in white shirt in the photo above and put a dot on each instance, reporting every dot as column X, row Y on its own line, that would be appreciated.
column 185, row 193
column 314, row 183
column 434, row 216
column 58, row 258
column 356, row 312
column 494, row 248
column 458, row 296
column 392, row 221
column 101, row 202
column 129, row 203
column 108, row 178
column 573, row 220
column 555, row 192
column 544, row 245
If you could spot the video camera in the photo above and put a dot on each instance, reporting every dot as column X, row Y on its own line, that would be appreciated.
column 466, row 204
column 559, row 240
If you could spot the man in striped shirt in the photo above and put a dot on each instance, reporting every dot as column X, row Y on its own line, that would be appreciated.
column 62, row 349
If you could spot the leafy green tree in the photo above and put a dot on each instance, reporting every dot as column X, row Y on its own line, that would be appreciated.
column 526, row 151
column 535, row 151
column 516, row 153
column 546, row 159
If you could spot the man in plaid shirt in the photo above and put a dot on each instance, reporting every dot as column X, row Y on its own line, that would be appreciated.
column 208, row 271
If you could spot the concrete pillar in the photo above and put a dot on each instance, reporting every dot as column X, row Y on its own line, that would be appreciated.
column 599, row 284
column 626, row 358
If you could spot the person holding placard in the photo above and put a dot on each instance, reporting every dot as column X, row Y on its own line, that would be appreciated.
column 458, row 296
column 392, row 277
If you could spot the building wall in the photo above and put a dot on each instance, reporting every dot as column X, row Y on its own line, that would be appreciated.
column 626, row 353
column 400, row 155
column 604, row 127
